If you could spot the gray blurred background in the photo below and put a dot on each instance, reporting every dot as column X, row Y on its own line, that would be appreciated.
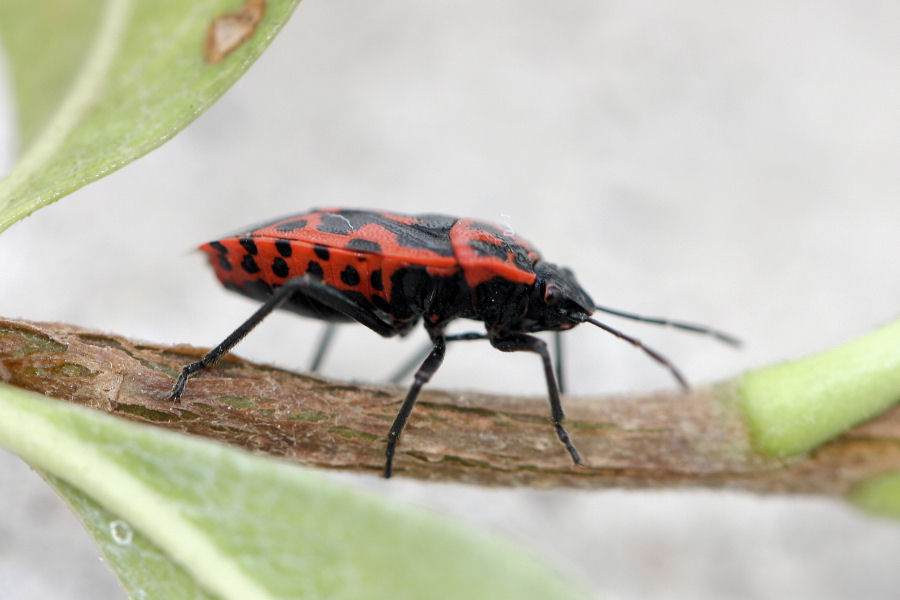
column 735, row 165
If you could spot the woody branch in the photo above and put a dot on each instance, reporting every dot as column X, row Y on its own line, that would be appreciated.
column 696, row 438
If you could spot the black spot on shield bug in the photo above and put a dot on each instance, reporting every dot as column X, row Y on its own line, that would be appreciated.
column 336, row 224
column 375, row 280
column 279, row 267
column 291, row 226
column 249, row 245
column 322, row 252
column 361, row 245
column 350, row 276
column 483, row 248
column 284, row 248
column 315, row 269
column 249, row 265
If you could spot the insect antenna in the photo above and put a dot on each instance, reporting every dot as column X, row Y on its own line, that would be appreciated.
column 693, row 328
column 649, row 351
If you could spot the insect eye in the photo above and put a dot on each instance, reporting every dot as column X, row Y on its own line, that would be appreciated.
column 552, row 295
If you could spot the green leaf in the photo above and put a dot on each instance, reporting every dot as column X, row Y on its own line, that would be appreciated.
column 143, row 569
column 211, row 521
column 879, row 495
column 119, row 78
column 793, row 407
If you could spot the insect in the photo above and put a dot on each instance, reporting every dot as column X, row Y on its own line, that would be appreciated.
column 389, row 271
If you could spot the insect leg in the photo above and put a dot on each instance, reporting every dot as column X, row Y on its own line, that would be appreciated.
column 422, row 376
column 324, row 345
column 466, row 337
column 214, row 355
column 515, row 342
column 407, row 367
column 558, row 351
column 311, row 287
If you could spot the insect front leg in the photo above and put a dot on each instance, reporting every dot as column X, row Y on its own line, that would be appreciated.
column 509, row 341
column 422, row 376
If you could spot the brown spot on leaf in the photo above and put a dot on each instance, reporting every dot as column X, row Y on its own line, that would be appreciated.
column 229, row 31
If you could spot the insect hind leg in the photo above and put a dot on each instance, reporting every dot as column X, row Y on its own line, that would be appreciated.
column 307, row 285
column 325, row 342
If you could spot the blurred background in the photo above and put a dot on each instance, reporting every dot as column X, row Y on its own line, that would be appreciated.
column 735, row 165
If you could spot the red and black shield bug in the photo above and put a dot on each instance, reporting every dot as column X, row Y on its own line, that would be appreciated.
column 389, row 271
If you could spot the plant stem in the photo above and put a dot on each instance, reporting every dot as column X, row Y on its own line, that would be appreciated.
column 699, row 438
